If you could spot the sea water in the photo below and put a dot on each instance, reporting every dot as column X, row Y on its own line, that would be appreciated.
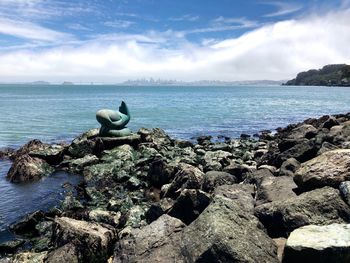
column 60, row 112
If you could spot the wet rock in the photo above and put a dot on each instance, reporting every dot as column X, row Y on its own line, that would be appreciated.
column 26, row 168
column 183, row 143
column 344, row 189
column 157, row 242
column 224, row 232
column 7, row 153
column 87, row 143
column 212, row 179
column 52, row 154
column 204, row 140
column 329, row 169
column 275, row 189
column 71, row 203
column 242, row 194
column 32, row 145
column 10, row 246
column 27, row 224
column 189, row 205
column 187, row 177
column 93, row 240
column 289, row 167
column 321, row 206
column 245, row 136
column 321, row 244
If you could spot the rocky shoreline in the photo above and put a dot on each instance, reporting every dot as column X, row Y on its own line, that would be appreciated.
column 282, row 197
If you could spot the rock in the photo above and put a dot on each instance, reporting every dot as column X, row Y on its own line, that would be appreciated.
column 157, row 242
column 111, row 142
column 189, row 205
column 212, row 179
column 344, row 189
column 328, row 169
column 183, row 143
column 188, row 176
column 160, row 173
column 216, row 160
column 321, row 206
column 86, row 144
column 242, row 194
column 27, row 224
column 78, row 165
column 280, row 243
column 32, row 145
column 71, row 203
column 224, row 232
column 289, row 167
column 239, row 171
column 102, row 216
column 120, row 153
column 52, row 154
column 11, row 246
column 26, row 168
column 93, row 240
column 66, row 253
column 7, row 153
column 275, row 189
column 321, row 244
column 29, row 257
column 156, row 137
column 256, row 176
column 326, row 146
column 271, row 168
column 245, row 136
column 204, row 140
column 303, row 131
column 332, row 121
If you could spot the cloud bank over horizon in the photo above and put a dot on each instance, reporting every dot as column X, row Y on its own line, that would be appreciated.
column 275, row 47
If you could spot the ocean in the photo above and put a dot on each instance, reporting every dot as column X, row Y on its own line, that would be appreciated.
column 61, row 112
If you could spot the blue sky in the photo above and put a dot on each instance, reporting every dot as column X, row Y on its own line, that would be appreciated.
column 111, row 41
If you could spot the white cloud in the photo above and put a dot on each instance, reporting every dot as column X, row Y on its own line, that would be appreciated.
column 188, row 17
column 283, row 8
column 119, row 23
column 31, row 31
column 275, row 51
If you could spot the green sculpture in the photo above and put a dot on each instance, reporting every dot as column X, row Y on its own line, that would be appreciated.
column 113, row 122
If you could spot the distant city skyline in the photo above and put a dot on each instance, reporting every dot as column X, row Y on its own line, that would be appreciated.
column 113, row 41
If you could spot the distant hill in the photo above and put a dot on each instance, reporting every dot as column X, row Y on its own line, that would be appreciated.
column 330, row 75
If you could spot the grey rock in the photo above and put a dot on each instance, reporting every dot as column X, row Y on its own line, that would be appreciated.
column 157, row 242
column 275, row 189
column 289, row 167
column 224, row 232
column 212, row 179
column 321, row 244
column 321, row 206
column 344, row 189
column 26, row 168
column 93, row 240
column 328, row 169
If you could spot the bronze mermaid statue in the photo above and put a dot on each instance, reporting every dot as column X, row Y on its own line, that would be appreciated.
column 113, row 122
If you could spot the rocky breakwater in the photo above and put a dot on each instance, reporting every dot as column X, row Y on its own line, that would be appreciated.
column 150, row 198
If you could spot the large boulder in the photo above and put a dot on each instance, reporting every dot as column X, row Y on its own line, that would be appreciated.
column 27, row 225
column 329, row 169
column 321, row 244
column 242, row 194
column 66, row 253
column 51, row 153
column 275, row 189
column 93, row 240
column 157, row 242
column 26, row 168
column 224, row 232
column 303, row 131
column 321, row 206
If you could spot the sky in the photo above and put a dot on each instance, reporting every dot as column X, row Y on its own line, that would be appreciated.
column 110, row 41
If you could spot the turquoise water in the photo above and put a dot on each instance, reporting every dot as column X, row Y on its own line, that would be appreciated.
column 53, row 113
column 61, row 112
